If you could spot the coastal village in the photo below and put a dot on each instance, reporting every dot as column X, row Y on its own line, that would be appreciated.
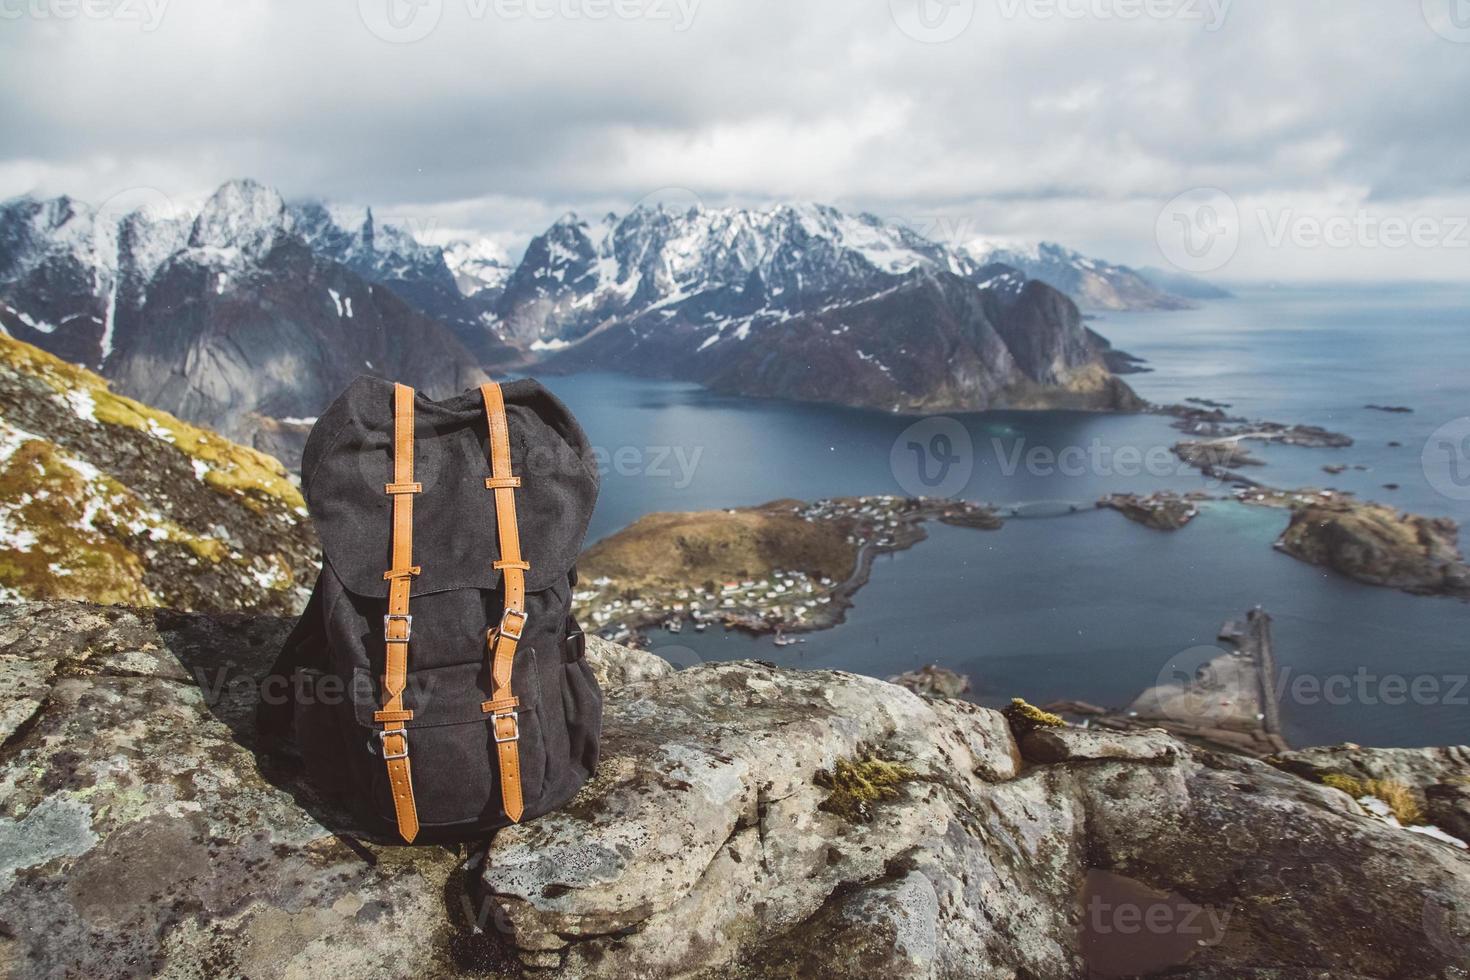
column 708, row 582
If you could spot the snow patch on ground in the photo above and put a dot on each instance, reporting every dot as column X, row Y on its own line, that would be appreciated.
column 82, row 403
column 160, row 432
column 1382, row 812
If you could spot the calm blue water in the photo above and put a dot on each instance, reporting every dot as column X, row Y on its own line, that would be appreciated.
column 1090, row 605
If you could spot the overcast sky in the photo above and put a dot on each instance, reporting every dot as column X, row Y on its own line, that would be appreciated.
column 1072, row 120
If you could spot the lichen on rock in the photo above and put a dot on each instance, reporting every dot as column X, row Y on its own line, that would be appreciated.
column 1025, row 717
column 859, row 785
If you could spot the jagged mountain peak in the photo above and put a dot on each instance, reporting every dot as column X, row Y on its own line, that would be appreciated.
column 477, row 265
column 242, row 217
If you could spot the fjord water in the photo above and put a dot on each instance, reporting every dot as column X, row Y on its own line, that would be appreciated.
column 1086, row 604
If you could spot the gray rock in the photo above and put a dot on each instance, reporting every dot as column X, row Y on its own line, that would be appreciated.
column 1048, row 745
column 144, row 832
column 615, row 665
column 140, row 833
column 932, row 680
column 1416, row 768
column 1448, row 808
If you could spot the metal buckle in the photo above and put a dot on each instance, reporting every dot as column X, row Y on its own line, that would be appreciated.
column 407, row 621
column 383, row 741
column 504, row 629
column 515, row 717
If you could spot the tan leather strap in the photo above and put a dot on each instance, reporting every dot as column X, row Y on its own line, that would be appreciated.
column 398, row 624
column 501, row 640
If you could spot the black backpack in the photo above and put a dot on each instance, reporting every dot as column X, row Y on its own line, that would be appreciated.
column 437, row 679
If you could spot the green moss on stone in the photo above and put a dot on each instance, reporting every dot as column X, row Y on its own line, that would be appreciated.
column 1025, row 718
column 859, row 785
column 68, row 556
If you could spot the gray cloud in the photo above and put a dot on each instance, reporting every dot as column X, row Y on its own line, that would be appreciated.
column 1065, row 119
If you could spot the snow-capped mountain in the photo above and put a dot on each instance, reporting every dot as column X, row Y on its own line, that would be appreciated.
column 1092, row 283
column 423, row 275
column 578, row 275
column 64, row 269
column 803, row 302
column 478, row 267
column 256, row 308
column 248, row 312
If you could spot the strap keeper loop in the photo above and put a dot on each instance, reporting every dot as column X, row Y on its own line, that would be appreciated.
column 500, row 705
column 395, row 488
column 394, row 573
column 504, row 563
column 386, row 715
column 502, row 482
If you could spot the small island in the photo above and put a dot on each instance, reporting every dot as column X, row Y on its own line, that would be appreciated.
column 1163, row 511
column 1379, row 545
column 784, row 566
column 1370, row 542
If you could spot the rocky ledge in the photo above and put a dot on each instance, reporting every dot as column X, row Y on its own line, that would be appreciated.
column 745, row 821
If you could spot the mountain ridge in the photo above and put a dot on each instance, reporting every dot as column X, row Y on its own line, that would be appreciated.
column 256, row 308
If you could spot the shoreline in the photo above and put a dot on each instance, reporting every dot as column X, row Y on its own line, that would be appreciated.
column 1229, row 702
column 786, row 599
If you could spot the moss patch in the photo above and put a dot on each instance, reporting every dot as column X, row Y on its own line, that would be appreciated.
column 857, row 786
column 232, row 468
column 62, row 527
column 1025, row 718
column 75, row 532
column 1400, row 799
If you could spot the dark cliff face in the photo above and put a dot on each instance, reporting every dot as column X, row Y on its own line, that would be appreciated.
column 279, row 339
column 929, row 342
column 51, row 295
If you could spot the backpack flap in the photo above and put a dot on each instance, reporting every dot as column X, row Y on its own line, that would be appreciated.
column 348, row 463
